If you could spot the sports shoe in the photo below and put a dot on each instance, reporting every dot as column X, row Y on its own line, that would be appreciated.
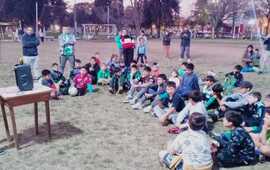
column 147, row 109
column 132, row 101
column 137, row 106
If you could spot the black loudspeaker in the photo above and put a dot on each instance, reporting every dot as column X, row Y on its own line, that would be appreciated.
column 23, row 75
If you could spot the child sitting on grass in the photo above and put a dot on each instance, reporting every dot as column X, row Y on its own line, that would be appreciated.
column 195, row 104
column 103, row 75
column 262, row 140
column 56, row 75
column 138, row 89
column 236, row 75
column 169, row 106
column 254, row 113
column 238, row 148
column 182, row 69
column 47, row 81
column 93, row 68
column 82, row 81
column 238, row 100
column 113, row 63
column 76, row 69
column 152, row 94
column 155, row 70
column 175, row 78
column 207, row 89
column 189, row 82
column 192, row 147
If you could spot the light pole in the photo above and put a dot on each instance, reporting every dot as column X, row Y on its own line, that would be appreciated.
column 37, row 18
column 75, row 17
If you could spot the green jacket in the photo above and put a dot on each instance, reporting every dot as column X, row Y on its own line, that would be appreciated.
column 104, row 74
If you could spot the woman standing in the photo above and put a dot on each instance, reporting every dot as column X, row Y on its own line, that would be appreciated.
column 128, row 48
column 167, row 43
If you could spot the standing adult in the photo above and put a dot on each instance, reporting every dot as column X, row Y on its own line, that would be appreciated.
column 41, row 35
column 167, row 43
column 30, row 42
column 265, row 59
column 119, row 44
column 185, row 43
column 128, row 48
column 67, row 42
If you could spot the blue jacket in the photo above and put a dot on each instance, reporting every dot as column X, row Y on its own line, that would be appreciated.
column 30, row 43
column 188, row 84
column 185, row 38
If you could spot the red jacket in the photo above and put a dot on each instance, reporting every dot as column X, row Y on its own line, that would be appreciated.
column 127, row 42
column 81, row 81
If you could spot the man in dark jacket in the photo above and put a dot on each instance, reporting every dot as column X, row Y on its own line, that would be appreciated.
column 30, row 42
column 185, row 43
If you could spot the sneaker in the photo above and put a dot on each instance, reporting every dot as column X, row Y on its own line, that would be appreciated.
column 147, row 109
column 137, row 106
column 132, row 101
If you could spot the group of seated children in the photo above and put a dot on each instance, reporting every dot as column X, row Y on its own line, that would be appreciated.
column 179, row 101
column 82, row 79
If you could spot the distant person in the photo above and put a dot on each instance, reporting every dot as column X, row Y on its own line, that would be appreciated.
column 265, row 61
column 119, row 44
column 167, row 43
column 248, row 58
column 67, row 41
column 145, row 41
column 41, row 35
column 30, row 42
column 128, row 48
column 185, row 43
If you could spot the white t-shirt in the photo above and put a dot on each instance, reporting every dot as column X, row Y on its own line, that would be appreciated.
column 189, row 109
column 194, row 146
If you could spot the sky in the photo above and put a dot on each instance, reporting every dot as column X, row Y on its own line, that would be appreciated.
column 186, row 5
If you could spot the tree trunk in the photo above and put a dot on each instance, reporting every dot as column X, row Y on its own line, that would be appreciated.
column 267, row 27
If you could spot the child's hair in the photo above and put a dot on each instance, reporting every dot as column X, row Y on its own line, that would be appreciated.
column 147, row 69
column 78, row 61
column 134, row 62
column 134, row 66
column 234, row 117
column 197, row 121
column 171, row 84
column 246, row 85
column 45, row 72
column 217, row 88
column 163, row 77
column 257, row 95
column 195, row 96
column 190, row 66
column 250, row 46
column 114, row 56
column 184, row 64
column 97, row 53
column 54, row 64
column 210, row 78
column 257, row 49
column 238, row 67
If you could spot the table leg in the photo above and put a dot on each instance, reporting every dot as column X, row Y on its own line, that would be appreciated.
column 47, row 107
column 5, row 121
column 36, row 116
column 12, row 115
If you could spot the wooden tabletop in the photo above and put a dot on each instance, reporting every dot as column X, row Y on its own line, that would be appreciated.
column 13, row 92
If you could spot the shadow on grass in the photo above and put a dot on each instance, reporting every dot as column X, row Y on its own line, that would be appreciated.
column 59, row 130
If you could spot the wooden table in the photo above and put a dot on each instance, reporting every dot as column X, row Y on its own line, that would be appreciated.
column 12, row 97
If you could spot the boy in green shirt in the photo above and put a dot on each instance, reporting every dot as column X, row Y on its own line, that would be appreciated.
column 103, row 75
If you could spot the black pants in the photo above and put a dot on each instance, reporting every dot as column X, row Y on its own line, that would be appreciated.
column 142, row 57
column 128, row 56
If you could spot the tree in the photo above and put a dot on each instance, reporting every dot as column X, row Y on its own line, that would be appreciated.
column 24, row 11
column 160, row 13
column 200, row 13
column 263, row 10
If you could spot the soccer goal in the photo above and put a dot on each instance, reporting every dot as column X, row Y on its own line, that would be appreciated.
column 99, row 31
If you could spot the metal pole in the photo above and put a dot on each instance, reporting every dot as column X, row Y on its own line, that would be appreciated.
column 75, row 17
column 37, row 33
column 108, row 14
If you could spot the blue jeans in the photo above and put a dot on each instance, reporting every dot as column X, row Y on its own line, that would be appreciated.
column 185, row 50
column 63, row 61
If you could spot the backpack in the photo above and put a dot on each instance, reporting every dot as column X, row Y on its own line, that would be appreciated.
column 229, row 84
column 68, row 50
